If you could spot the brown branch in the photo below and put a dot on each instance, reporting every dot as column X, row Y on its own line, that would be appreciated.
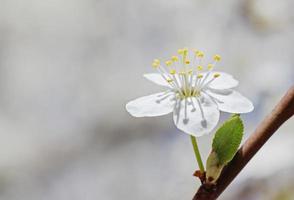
column 282, row 112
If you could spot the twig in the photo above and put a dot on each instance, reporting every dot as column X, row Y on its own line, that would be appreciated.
column 282, row 112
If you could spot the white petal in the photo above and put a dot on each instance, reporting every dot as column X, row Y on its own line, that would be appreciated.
column 194, row 123
column 231, row 101
column 224, row 81
column 157, row 79
column 153, row 105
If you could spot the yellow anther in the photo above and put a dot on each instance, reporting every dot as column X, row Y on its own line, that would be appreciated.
column 199, row 67
column 169, row 63
column 216, row 75
column 172, row 71
column 199, row 54
column 187, row 62
column 209, row 66
column 180, row 51
column 169, row 80
column 199, row 76
column 156, row 61
column 190, row 71
column 185, row 51
column 155, row 64
column 174, row 58
column 217, row 57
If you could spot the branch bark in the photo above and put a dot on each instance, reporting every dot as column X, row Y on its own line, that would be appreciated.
column 281, row 113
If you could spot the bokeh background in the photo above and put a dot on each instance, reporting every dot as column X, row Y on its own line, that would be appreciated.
column 68, row 67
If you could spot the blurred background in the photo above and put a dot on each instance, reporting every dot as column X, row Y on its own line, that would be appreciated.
column 68, row 67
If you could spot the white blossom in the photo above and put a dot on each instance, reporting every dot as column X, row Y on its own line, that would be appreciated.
column 195, row 96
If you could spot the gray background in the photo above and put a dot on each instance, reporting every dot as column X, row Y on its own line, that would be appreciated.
column 68, row 67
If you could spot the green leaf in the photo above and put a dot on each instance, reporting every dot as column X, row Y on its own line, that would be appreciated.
column 227, row 139
column 225, row 145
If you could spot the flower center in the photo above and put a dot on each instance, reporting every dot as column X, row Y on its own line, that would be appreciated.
column 184, row 72
column 188, row 93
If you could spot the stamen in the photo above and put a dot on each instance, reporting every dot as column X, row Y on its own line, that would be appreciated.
column 172, row 71
column 184, row 74
column 190, row 72
column 199, row 67
column 217, row 57
column 184, row 54
column 197, row 84
column 180, row 51
column 167, row 76
column 156, row 63
column 174, row 58
column 210, row 66
column 199, row 54
column 216, row 75
column 199, row 76
column 162, row 71
column 163, row 97
column 168, row 63
column 177, row 85
column 185, row 51
column 204, row 79
column 172, row 80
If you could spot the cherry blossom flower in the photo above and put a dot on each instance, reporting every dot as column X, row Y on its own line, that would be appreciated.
column 194, row 93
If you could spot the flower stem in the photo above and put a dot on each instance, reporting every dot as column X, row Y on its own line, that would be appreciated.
column 197, row 153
